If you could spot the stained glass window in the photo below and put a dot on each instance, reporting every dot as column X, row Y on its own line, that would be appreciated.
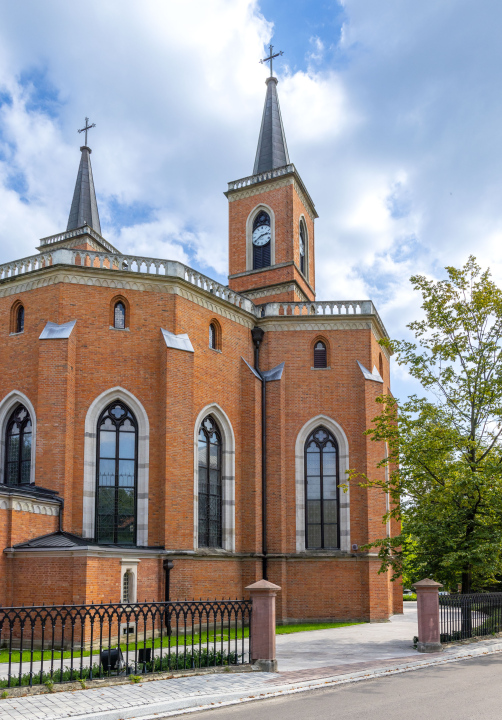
column 116, row 476
column 321, row 490
column 119, row 314
column 18, row 447
column 20, row 319
column 212, row 336
column 210, row 489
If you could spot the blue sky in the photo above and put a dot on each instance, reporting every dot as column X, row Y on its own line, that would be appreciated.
column 391, row 110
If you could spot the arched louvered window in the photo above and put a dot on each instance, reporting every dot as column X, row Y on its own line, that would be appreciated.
column 119, row 316
column 303, row 247
column 320, row 355
column 210, row 486
column 321, row 490
column 212, row 336
column 18, row 447
column 20, row 319
column 262, row 235
column 117, row 474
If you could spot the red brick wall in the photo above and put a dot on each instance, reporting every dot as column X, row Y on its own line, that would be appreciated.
column 287, row 208
column 63, row 377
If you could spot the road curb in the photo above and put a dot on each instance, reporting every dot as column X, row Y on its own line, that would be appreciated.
column 160, row 710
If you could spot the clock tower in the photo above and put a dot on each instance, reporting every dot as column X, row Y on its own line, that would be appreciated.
column 271, row 220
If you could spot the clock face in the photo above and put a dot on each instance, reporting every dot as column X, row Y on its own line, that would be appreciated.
column 261, row 235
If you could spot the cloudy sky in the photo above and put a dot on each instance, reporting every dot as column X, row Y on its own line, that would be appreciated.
column 392, row 112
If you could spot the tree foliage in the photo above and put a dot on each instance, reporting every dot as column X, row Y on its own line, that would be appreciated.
column 445, row 449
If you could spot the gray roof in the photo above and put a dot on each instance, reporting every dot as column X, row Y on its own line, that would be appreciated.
column 84, row 208
column 272, row 150
column 59, row 539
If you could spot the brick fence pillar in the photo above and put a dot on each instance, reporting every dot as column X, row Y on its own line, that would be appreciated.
column 428, row 615
column 262, row 637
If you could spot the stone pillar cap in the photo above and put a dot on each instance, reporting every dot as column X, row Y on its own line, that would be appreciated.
column 426, row 583
column 263, row 585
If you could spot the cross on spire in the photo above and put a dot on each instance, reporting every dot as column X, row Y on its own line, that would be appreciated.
column 271, row 57
column 86, row 128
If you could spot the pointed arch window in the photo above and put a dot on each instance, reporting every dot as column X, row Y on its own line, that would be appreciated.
column 212, row 336
column 303, row 247
column 262, row 236
column 210, row 484
column 119, row 316
column 320, row 355
column 18, row 447
column 321, row 490
column 20, row 319
column 117, row 472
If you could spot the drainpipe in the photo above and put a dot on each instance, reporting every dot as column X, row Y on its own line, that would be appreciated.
column 61, row 508
column 257, row 334
column 168, row 566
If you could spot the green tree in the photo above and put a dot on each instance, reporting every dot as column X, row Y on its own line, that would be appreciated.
column 445, row 449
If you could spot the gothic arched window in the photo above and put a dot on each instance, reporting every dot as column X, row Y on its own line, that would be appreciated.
column 119, row 316
column 262, row 236
column 210, row 486
column 303, row 247
column 18, row 447
column 212, row 336
column 320, row 355
column 117, row 473
column 321, row 490
column 20, row 319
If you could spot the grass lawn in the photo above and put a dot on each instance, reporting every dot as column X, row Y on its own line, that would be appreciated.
column 306, row 627
column 166, row 641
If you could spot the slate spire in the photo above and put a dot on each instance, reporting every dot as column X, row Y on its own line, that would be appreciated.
column 84, row 208
column 272, row 150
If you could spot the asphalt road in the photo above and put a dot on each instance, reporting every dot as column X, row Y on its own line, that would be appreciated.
column 465, row 690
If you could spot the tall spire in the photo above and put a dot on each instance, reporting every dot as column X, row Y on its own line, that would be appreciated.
column 84, row 208
column 272, row 149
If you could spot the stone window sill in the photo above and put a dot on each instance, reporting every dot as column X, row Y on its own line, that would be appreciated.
column 119, row 329
column 16, row 333
column 215, row 350
column 326, row 368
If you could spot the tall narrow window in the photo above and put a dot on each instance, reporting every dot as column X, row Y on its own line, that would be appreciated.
column 18, row 447
column 303, row 246
column 119, row 316
column 210, row 489
column 262, row 235
column 320, row 355
column 20, row 319
column 116, row 476
column 212, row 336
column 321, row 490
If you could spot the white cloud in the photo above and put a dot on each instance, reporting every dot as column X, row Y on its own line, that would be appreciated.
column 399, row 143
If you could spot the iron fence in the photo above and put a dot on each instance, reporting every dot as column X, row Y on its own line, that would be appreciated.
column 55, row 644
column 472, row 615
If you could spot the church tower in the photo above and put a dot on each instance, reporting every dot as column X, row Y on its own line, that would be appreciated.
column 271, row 219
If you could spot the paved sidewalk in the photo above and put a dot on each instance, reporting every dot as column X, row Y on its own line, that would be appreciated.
column 338, row 657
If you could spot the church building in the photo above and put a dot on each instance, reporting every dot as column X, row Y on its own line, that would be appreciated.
column 163, row 436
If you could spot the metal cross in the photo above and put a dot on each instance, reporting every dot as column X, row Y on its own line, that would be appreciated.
column 271, row 57
column 86, row 128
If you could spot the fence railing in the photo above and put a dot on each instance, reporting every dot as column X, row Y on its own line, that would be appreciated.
column 55, row 644
column 466, row 616
column 171, row 268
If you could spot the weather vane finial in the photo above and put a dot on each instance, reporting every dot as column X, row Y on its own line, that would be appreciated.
column 86, row 128
column 271, row 57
